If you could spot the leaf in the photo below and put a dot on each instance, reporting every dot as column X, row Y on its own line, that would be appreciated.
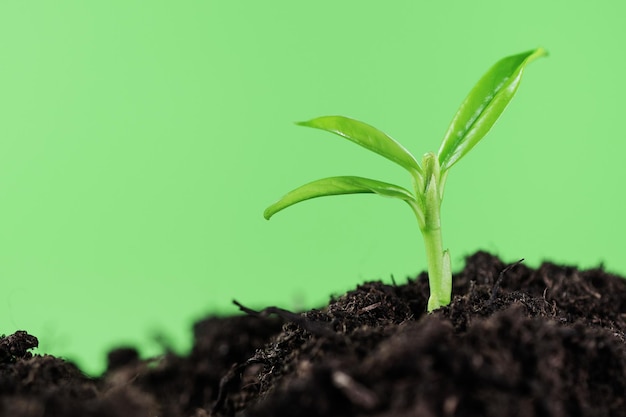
column 367, row 136
column 483, row 105
column 337, row 186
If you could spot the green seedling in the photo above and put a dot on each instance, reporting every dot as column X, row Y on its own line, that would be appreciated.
column 477, row 114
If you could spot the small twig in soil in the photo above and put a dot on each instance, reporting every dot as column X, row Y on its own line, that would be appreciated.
column 496, row 285
column 358, row 394
column 369, row 308
column 317, row 328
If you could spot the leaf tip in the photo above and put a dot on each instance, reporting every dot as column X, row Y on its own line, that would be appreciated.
column 268, row 213
column 538, row 53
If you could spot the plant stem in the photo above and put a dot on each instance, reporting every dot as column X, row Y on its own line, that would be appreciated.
column 439, row 273
column 439, row 276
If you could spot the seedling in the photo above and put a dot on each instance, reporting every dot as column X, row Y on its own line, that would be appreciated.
column 477, row 114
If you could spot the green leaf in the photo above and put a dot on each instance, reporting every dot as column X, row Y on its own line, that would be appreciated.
column 483, row 105
column 367, row 136
column 336, row 186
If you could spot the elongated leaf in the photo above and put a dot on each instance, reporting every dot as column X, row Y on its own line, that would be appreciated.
column 336, row 186
column 483, row 106
column 367, row 136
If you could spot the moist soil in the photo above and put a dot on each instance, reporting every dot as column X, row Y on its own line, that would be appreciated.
column 515, row 341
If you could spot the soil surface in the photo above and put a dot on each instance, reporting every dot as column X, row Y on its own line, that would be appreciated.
column 514, row 341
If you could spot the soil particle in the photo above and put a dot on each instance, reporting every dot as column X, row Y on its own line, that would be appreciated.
column 515, row 341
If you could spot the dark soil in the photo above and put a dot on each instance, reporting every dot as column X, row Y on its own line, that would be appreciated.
column 514, row 342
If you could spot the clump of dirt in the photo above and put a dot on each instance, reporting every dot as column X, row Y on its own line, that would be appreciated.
column 515, row 341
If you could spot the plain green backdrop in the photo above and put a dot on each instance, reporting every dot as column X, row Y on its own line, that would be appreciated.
column 140, row 142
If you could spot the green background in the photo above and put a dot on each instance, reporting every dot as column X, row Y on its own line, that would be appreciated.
column 140, row 142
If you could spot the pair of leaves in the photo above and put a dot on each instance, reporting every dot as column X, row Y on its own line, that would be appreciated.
column 477, row 114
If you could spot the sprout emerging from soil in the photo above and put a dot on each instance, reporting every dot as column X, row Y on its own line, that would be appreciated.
column 477, row 114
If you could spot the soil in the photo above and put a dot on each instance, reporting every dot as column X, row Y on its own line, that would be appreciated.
column 515, row 341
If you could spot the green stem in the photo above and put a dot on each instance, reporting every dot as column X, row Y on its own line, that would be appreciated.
column 439, row 277
column 439, row 273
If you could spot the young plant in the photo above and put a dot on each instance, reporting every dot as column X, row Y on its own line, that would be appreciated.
column 477, row 114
